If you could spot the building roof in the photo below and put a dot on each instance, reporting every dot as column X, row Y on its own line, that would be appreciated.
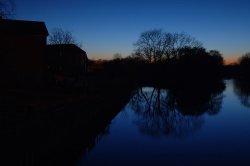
column 21, row 27
column 65, row 48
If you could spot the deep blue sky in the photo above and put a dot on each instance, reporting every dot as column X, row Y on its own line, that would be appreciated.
column 105, row 27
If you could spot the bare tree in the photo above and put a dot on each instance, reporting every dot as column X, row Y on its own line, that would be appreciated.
column 59, row 36
column 150, row 45
column 7, row 8
column 182, row 40
column 155, row 45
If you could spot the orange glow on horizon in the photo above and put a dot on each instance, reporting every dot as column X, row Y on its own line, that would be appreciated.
column 232, row 59
column 229, row 59
column 100, row 57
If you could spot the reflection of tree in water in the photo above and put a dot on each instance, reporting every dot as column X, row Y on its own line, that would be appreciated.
column 198, row 100
column 214, row 104
column 174, row 112
column 242, row 89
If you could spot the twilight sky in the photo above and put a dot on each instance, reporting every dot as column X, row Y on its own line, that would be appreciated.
column 105, row 27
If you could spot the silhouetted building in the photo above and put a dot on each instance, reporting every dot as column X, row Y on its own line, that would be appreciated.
column 67, row 64
column 22, row 49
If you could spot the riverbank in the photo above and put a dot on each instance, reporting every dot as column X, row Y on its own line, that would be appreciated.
column 56, row 126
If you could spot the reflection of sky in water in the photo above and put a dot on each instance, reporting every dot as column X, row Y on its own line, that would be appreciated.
column 219, row 139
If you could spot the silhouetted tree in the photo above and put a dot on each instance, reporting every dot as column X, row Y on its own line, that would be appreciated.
column 59, row 36
column 217, row 57
column 196, row 62
column 156, row 45
column 244, row 65
column 245, row 59
column 190, row 53
column 182, row 40
column 150, row 45
column 7, row 8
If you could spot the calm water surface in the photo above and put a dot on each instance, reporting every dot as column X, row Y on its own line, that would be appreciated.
column 177, row 127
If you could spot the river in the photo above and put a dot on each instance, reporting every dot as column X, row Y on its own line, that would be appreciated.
column 185, row 126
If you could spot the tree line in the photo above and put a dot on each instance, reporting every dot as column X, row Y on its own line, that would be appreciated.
column 178, row 56
column 160, row 56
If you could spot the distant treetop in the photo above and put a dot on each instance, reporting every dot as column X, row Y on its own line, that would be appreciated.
column 59, row 36
column 7, row 8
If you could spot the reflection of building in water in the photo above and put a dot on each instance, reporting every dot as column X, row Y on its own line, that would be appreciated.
column 165, row 112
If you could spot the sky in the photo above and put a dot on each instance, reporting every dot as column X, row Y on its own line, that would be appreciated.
column 106, row 27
